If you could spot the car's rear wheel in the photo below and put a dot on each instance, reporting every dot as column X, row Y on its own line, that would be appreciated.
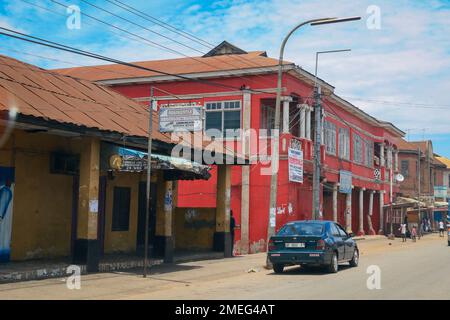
column 333, row 266
column 355, row 260
column 278, row 268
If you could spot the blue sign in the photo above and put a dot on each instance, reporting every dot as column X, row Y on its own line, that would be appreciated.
column 345, row 181
column 6, row 211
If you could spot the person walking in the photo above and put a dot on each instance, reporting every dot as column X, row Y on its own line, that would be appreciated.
column 402, row 229
column 232, row 227
column 413, row 233
column 441, row 228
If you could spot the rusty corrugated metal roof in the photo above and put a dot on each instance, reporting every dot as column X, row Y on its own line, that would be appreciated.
column 181, row 66
column 51, row 96
column 48, row 95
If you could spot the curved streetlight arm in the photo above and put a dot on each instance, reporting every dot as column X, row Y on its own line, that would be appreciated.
column 280, row 66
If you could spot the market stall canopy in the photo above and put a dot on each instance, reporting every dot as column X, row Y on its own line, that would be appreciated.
column 408, row 202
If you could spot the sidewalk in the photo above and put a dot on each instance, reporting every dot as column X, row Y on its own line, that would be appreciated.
column 47, row 269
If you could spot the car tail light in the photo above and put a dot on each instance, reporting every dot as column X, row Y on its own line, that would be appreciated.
column 320, row 245
column 272, row 245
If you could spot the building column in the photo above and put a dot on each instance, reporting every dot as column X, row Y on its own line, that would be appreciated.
column 348, row 213
column 168, row 218
column 222, row 236
column 308, row 123
column 303, row 120
column 382, row 159
column 369, row 215
column 361, row 213
column 381, row 212
column 335, row 204
column 87, row 246
column 286, row 101
column 245, row 191
column 396, row 160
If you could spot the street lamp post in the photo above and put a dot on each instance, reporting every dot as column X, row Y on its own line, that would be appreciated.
column 275, row 150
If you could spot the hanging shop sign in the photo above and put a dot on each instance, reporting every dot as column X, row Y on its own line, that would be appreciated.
column 345, row 181
column 180, row 118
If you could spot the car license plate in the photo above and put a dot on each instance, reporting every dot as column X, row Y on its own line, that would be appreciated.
column 295, row 245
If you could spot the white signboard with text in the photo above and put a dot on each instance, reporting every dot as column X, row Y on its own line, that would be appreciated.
column 180, row 118
column 295, row 160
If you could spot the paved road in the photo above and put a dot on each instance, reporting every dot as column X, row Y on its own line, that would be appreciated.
column 408, row 271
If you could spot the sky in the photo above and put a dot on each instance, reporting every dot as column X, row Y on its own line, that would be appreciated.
column 398, row 69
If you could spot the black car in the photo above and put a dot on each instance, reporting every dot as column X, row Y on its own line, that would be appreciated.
column 312, row 243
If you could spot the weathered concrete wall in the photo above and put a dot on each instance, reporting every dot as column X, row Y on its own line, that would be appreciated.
column 42, row 210
column 194, row 228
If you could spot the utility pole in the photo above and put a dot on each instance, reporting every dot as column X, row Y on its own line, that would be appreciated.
column 317, row 145
column 419, row 187
column 149, row 173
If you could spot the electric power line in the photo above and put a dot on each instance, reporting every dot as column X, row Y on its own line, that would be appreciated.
column 147, row 41
column 36, row 40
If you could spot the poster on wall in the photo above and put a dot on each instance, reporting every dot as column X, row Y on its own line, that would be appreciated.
column 6, row 211
column 295, row 160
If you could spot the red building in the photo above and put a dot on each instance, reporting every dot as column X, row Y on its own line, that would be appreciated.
column 236, row 90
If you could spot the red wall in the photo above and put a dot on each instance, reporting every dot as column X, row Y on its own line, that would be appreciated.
column 299, row 196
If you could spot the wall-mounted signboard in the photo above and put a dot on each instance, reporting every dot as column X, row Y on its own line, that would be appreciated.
column 180, row 117
column 345, row 181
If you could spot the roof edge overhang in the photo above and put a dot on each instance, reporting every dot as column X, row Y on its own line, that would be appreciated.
column 195, row 76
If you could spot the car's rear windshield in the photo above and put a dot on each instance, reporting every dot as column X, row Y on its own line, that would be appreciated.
column 301, row 229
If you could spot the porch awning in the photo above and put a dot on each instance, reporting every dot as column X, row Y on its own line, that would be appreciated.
column 408, row 202
column 129, row 160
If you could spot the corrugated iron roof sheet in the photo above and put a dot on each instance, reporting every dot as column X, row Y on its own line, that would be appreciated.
column 181, row 66
column 51, row 96
column 48, row 95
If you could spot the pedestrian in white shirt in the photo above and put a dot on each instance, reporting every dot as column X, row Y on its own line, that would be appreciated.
column 441, row 228
column 402, row 229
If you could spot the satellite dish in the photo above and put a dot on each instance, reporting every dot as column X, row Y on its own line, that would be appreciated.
column 399, row 177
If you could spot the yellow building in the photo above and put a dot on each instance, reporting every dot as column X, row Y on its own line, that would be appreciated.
column 67, row 191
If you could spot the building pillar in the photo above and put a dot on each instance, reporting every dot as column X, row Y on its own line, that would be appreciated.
column 164, row 243
column 303, row 120
column 286, row 102
column 369, row 215
column 335, row 203
column 348, row 213
column 87, row 246
column 308, row 123
column 222, row 236
column 381, row 212
column 245, row 191
column 168, row 219
column 382, row 159
column 361, row 213
column 396, row 160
